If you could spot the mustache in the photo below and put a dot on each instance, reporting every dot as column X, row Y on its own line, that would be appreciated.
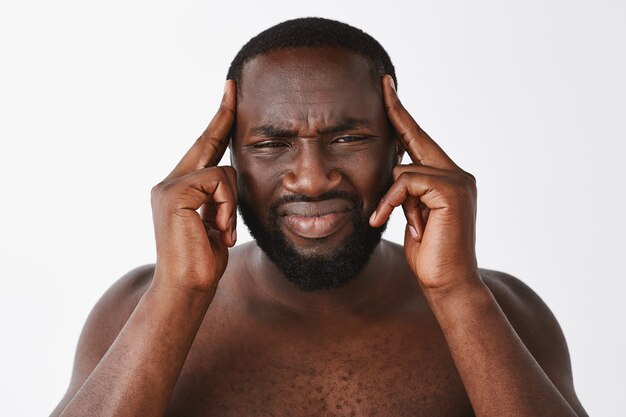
column 329, row 195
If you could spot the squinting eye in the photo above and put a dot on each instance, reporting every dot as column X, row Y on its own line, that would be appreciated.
column 269, row 144
column 348, row 139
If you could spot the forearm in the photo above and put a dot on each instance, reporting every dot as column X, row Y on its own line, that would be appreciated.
column 138, row 373
column 500, row 375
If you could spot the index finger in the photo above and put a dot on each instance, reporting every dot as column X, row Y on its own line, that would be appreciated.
column 421, row 148
column 209, row 148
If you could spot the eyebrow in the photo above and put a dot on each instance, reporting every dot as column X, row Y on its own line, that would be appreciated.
column 277, row 131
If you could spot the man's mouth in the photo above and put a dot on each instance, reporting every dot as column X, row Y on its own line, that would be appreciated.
column 317, row 219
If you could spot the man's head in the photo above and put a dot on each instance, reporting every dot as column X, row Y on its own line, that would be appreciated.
column 313, row 32
column 313, row 147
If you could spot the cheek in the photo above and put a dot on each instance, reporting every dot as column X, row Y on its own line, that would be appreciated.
column 372, row 174
column 256, row 182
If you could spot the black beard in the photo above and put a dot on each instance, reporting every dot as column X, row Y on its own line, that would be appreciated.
column 315, row 272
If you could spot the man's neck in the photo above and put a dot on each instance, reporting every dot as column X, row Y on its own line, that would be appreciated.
column 369, row 292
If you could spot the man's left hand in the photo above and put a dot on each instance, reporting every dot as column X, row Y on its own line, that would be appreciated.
column 439, row 202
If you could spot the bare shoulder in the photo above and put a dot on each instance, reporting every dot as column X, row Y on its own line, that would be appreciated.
column 528, row 314
column 107, row 318
column 537, row 327
column 112, row 311
column 104, row 323
column 513, row 294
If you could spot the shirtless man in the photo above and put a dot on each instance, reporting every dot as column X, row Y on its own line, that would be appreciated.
column 318, row 316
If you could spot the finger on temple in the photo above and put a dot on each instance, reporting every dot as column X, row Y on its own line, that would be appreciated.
column 209, row 148
column 422, row 149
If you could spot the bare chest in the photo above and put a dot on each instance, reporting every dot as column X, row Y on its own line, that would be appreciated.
column 246, row 369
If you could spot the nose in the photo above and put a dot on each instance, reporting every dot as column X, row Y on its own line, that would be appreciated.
column 312, row 172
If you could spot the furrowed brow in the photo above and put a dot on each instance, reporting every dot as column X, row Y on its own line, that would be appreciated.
column 277, row 131
column 273, row 131
column 347, row 123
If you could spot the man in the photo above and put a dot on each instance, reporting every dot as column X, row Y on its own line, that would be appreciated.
column 318, row 316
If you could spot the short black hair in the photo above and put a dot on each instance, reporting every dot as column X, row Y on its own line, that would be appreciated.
column 313, row 32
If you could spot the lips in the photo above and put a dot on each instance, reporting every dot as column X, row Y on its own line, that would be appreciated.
column 317, row 219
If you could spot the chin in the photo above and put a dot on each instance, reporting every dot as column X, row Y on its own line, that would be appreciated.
column 317, row 264
column 321, row 252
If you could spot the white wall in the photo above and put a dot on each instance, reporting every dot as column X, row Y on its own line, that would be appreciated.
column 98, row 101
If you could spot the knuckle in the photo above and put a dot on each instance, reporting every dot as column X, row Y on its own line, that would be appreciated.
column 220, row 174
column 221, row 189
column 460, row 190
column 156, row 191
column 403, row 177
column 220, row 170
column 469, row 175
column 230, row 176
column 397, row 171
column 471, row 179
column 159, row 192
column 230, row 171
column 408, row 177
column 469, row 182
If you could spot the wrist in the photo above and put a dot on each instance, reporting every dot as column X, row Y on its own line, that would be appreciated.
column 187, row 280
column 462, row 281
column 180, row 297
column 453, row 299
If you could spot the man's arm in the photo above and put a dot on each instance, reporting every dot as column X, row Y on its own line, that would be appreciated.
column 500, row 374
column 538, row 328
column 508, row 348
column 106, row 320
column 137, row 374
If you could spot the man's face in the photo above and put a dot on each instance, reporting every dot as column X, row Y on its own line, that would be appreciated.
column 314, row 151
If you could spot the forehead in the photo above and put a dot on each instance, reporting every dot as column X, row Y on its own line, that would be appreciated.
column 312, row 85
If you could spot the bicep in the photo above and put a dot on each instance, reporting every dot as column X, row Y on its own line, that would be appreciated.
column 539, row 329
column 104, row 323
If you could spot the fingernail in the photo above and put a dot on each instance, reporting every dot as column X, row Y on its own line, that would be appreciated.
column 373, row 216
column 413, row 232
column 234, row 236
column 391, row 83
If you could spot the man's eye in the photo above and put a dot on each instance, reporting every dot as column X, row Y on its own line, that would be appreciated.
column 350, row 139
column 269, row 144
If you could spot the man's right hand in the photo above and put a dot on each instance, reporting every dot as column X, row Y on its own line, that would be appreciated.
column 192, row 247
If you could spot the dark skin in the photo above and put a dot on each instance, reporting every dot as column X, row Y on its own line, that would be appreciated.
column 421, row 331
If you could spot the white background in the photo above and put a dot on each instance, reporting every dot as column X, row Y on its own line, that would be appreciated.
column 98, row 101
